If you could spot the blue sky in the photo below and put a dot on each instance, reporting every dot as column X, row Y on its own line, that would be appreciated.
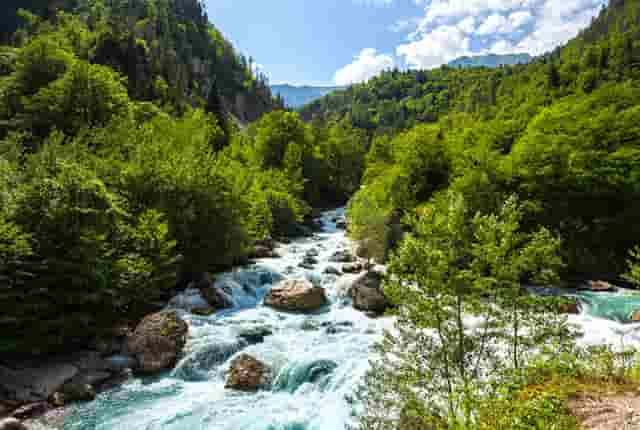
column 327, row 42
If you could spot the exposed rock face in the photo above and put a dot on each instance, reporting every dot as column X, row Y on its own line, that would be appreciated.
column 367, row 295
column 296, row 296
column 12, row 424
column 247, row 374
column 157, row 341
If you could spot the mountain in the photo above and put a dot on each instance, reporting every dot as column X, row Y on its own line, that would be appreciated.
column 298, row 96
column 605, row 51
column 491, row 60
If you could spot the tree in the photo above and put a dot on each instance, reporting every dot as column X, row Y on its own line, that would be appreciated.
column 465, row 324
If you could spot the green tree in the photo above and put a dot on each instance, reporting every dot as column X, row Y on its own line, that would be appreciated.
column 465, row 324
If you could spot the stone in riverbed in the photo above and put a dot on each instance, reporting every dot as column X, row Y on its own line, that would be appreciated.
column 215, row 297
column 343, row 256
column 157, row 341
column 598, row 286
column 572, row 308
column 331, row 270
column 12, row 424
column 353, row 268
column 635, row 316
column 30, row 410
column 255, row 335
column 247, row 374
column 120, row 363
column 296, row 296
column 367, row 295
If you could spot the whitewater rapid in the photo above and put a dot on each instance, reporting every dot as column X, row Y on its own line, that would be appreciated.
column 319, row 359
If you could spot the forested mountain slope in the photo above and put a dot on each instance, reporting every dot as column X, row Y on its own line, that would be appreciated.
column 167, row 49
column 122, row 176
column 561, row 133
column 604, row 52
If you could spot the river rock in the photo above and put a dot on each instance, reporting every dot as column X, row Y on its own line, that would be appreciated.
column 367, row 294
column 598, row 286
column 296, row 296
column 247, row 374
column 255, row 335
column 572, row 308
column 30, row 410
column 78, row 390
column 215, row 297
column 120, row 363
column 352, row 268
column 188, row 300
column 157, row 341
column 343, row 256
column 341, row 224
column 331, row 270
column 635, row 316
column 260, row 251
column 12, row 424
column 204, row 311
column 30, row 385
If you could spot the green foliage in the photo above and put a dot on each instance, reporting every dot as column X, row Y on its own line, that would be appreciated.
column 465, row 324
column 87, row 95
column 633, row 275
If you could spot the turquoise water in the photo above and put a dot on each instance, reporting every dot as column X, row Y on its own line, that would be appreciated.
column 616, row 306
column 318, row 360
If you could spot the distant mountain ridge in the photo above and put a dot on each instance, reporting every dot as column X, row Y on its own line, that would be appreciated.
column 298, row 96
column 491, row 60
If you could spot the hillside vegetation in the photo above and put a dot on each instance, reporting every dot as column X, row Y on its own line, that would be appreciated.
column 122, row 167
column 560, row 132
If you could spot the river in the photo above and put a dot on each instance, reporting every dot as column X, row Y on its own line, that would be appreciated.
column 319, row 359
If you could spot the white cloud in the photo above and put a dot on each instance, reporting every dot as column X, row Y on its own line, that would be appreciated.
column 557, row 22
column 495, row 23
column 432, row 49
column 365, row 65
column 520, row 18
column 452, row 28
column 468, row 25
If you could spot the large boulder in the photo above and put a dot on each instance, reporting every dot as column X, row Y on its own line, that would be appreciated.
column 296, row 296
column 158, row 341
column 247, row 374
column 215, row 297
column 12, row 424
column 635, row 316
column 367, row 295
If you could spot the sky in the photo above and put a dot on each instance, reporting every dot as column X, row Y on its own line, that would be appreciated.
column 339, row 42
